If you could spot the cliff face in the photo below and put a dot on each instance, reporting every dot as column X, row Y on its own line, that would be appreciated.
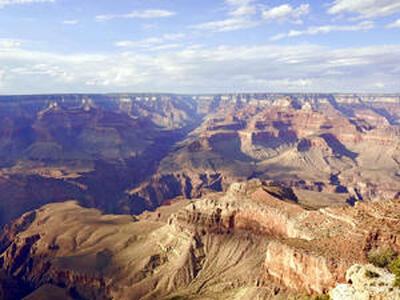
column 85, row 147
column 117, row 257
column 255, row 239
column 302, row 270
column 318, row 264
column 146, row 149
column 316, row 143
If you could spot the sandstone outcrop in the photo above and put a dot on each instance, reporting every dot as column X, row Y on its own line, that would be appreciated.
column 303, row 270
column 366, row 282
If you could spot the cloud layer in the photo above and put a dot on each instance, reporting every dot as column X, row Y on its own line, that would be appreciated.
column 182, row 55
column 193, row 70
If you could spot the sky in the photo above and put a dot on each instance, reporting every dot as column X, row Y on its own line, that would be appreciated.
column 199, row 46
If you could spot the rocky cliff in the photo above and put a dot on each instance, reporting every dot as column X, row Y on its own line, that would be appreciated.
column 145, row 149
column 255, row 240
column 315, row 143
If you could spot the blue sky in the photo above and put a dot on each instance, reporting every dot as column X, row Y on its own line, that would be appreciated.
column 207, row 46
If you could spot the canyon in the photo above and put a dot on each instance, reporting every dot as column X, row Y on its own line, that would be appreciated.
column 164, row 196
column 146, row 149
column 252, row 242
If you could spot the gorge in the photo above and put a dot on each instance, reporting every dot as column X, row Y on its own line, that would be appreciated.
column 165, row 196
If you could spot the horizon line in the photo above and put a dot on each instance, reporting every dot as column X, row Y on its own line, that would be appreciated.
column 201, row 94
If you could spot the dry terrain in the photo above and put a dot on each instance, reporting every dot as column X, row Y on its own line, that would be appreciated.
column 208, row 197
column 252, row 241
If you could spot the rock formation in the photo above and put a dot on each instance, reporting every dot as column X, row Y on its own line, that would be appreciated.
column 238, row 196
column 256, row 240
column 366, row 282
column 146, row 149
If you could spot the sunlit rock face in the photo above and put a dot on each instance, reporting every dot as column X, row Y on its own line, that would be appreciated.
column 255, row 239
column 322, row 143
column 301, row 270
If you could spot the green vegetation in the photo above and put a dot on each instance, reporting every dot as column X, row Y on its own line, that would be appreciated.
column 394, row 267
column 386, row 258
column 178, row 298
column 371, row 274
column 381, row 257
column 307, row 296
column 322, row 297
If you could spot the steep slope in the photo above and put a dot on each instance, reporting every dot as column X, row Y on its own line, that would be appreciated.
column 253, row 241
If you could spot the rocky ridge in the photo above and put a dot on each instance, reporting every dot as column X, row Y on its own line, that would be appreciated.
column 146, row 149
column 255, row 240
column 313, row 144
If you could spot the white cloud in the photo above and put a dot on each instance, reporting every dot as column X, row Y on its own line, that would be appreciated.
column 174, row 36
column 150, row 14
column 9, row 43
column 366, row 25
column 365, row 8
column 43, row 69
column 230, row 24
column 283, row 84
column 70, row 22
column 217, row 69
column 149, row 26
column 13, row 2
column 395, row 24
column 244, row 10
column 238, row 2
column 165, row 47
column 145, row 14
column 241, row 7
column 151, row 42
column 240, row 16
column 145, row 43
column 245, row 14
column 286, row 12
column 2, row 75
